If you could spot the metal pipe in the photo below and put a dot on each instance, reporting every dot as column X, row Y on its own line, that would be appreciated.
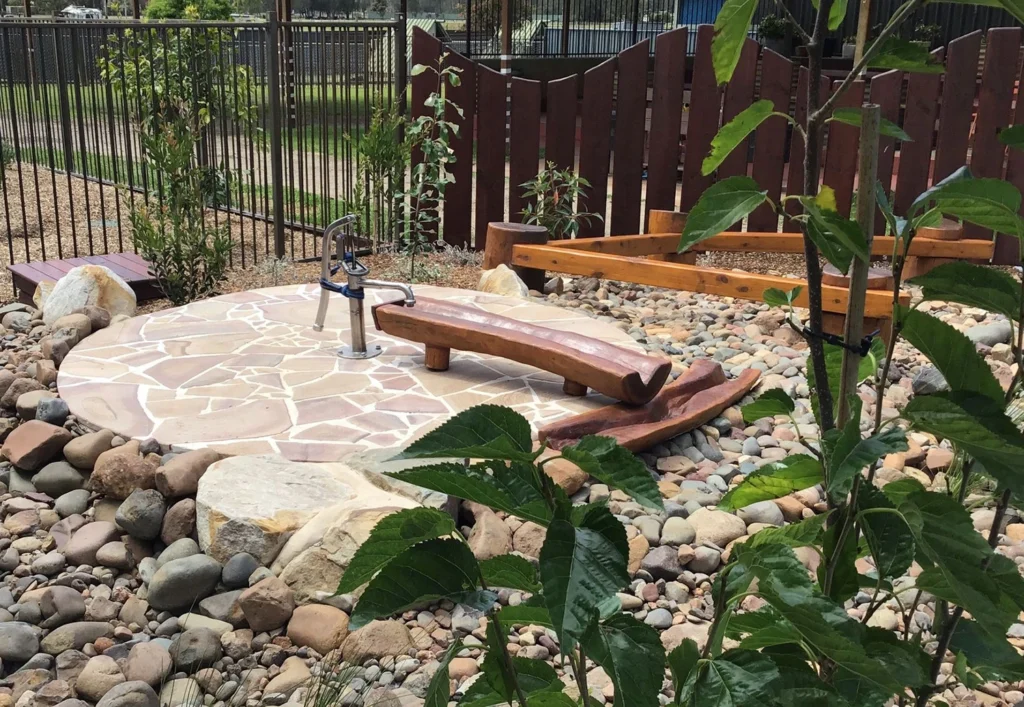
column 410, row 298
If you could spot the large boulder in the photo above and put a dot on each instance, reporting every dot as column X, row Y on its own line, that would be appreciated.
column 89, row 285
column 254, row 504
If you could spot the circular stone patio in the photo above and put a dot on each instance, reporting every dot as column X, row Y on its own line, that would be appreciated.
column 245, row 373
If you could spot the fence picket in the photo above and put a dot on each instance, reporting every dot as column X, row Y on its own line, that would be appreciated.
column 490, row 151
column 956, row 107
column 458, row 197
column 919, row 123
column 770, row 138
column 885, row 92
column 795, row 180
column 630, row 126
column 666, row 113
column 524, row 142
column 841, row 153
column 739, row 94
column 702, row 120
column 595, row 143
column 560, row 125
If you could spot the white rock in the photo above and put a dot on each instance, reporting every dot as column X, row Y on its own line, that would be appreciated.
column 503, row 280
column 254, row 504
column 89, row 285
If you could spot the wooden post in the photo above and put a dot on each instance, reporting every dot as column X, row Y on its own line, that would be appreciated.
column 662, row 221
column 947, row 230
column 437, row 358
column 506, row 37
column 498, row 251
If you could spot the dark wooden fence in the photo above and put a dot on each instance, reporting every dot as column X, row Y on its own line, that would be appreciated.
column 639, row 133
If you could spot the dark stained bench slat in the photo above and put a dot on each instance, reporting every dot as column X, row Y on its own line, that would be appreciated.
column 128, row 266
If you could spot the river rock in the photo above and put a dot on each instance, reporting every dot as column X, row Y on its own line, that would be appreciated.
column 238, row 569
column 34, row 444
column 183, row 582
column 133, row 693
column 716, row 527
column 503, row 281
column 196, row 648
column 319, row 626
column 268, row 604
column 58, row 478
column 120, row 471
column 142, row 514
column 376, row 640
column 75, row 636
column 180, row 476
column 81, row 549
column 83, row 451
column 18, row 641
column 179, row 521
column 100, row 675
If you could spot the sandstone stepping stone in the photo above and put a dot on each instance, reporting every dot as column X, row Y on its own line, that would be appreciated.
column 87, row 540
column 319, row 626
column 253, row 504
column 181, row 583
column 34, row 444
column 83, row 451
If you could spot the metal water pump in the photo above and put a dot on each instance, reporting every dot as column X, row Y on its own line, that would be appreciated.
column 353, row 289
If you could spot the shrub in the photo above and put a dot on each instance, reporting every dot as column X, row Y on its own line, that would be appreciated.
column 552, row 198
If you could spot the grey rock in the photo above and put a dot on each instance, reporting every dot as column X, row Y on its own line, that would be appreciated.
column 18, row 641
column 141, row 515
column 662, row 563
column 61, row 605
column 196, row 648
column 133, row 693
column 677, row 531
column 224, row 607
column 761, row 512
column 649, row 527
column 659, row 619
column 705, row 560
column 49, row 564
column 58, row 478
column 75, row 636
column 929, row 380
column 751, row 447
column 238, row 569
column 71, row 503
column 52, row 410
column 181, row 583
column 186, row 547
column 990, row 334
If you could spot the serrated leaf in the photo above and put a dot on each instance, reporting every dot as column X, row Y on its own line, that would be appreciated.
column 845, row 579
column 391, row 536
column 505, row 487
column 992, row 659
column 681, row 662
column 768, row 404
column 794, row 473
column 836, row 14
column 777, row 298
column 580, row 568
column 535, row 677
column 481, row 432
column 762, row 628
column 867, row 367
column 904, row 55
column 632, row 655
column 849, row 453
column 614, row 465
column 838, row 233
column 976, row 424
column 806, row 533
column 721, row 205
column 952, row 353
column 1012, row 136
column 854, row 116
column 882, row 199
column 886, row 533
column 990, row 203
column 973, row 285
column 435, row 569
column 526, row 613
column 510, row 572
column 834, row 251
column 731, row 26
column 954, row 557
column 735, row 132
column 736, row 678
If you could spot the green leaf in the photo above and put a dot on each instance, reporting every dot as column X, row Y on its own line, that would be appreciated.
column 580, row 568
column 839, row 233
column 769, row 404
column 806, row 533
column 525, row 614
column 731, row 26
column 979, row 426
column 777, row 298
column 439, row 689
column 535, row 677
column 853, row 116
column 736, row 678
column 991, row 658
column 836, row 14
column 1013, row 136
column 735, row 132
column 391, row 536
column 762, row 628
column 681, row 662
column 435, row 569
column 954, row 556
column 510, row 572
column 794, row 473
column 847, row 454
column 845, row 579
column 952, row 353
column 632, row 655
column 418, row 69
column 834, row 251
column 867, row 367
column 509, row 488
column 904, row 55
column 823, row 624
column 614, row 465
column 721, row 205
column 882, row 199
column 481, row 432
column 974, row 285
column 886, row 532
column 990, row 203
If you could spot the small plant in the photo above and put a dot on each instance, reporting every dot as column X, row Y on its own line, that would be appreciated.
column 188, row 256
column 927, row 34
column 273, row 268
column 552, row 197
column 384, row 157
column 772, row 27
column 430, row 134
column 6, row 160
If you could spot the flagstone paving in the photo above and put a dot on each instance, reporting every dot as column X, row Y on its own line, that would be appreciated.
column 245, row 373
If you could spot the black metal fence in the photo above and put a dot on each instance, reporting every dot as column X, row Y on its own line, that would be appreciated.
column 77, row 97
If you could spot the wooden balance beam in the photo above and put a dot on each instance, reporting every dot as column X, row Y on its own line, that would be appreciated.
column 583, row 362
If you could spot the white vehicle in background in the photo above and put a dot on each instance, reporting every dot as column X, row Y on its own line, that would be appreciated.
column 76, row 12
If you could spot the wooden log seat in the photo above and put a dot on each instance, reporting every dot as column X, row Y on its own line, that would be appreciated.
column 584, row 362
column 696, row 397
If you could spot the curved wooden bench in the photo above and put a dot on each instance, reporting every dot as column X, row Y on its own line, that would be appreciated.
column 584, row 362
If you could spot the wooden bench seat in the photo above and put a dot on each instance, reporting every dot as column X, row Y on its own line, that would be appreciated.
column 583, row 362
column 128, row 266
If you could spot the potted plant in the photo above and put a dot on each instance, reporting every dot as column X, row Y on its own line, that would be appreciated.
column 926, row 35
column 849, row 46
column 773, row 32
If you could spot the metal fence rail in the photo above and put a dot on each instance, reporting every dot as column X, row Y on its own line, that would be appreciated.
column 72, row 95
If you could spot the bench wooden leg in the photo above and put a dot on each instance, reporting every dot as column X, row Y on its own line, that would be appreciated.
column 573, row 388
column 437, row 358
